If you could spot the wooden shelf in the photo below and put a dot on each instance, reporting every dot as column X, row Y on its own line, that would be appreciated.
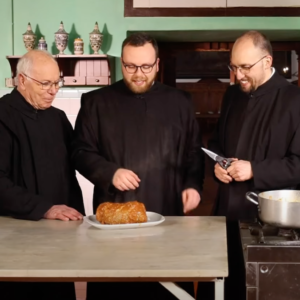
column 76, row 70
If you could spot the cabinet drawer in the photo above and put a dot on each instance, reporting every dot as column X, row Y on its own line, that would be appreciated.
column 99, row 80
column 74, row 80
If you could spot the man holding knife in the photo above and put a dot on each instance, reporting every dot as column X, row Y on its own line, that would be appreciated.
column 259, row 127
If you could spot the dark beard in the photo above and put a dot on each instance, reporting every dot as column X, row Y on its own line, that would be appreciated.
column 145, row 89
column 247, row 92
column 251, row 87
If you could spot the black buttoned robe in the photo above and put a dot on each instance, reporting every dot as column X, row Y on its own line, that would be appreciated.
column 35, row 174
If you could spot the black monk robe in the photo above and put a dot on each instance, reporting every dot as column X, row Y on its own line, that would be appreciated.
column 35, row 170
column 262, row 127
column 154, row 134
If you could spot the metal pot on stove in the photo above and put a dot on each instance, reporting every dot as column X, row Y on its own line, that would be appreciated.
column 279, row 208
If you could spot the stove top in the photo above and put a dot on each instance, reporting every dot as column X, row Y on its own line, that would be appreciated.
column 258, row 233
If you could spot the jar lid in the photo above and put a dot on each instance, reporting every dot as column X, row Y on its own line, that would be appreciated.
column 96, row 29
column 29, row 30
column 61, row 29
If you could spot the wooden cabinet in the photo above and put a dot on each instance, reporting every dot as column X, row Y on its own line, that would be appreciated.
column 207, row 96
column 76, row 70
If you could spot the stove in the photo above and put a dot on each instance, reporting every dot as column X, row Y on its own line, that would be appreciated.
column 272, row 261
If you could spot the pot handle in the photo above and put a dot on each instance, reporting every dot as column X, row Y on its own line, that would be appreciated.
column 248, row 196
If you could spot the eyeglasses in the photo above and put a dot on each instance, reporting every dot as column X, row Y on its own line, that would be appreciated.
column 244, row 69
column 131, row 69
column 47, row 85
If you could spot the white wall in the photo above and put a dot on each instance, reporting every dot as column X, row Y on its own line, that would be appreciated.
column 69, row 102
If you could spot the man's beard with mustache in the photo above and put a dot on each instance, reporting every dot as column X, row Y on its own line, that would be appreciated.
column 252, row 88
column 139, row 89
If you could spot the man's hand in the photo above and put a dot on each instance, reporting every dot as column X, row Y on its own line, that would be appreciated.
column 63, row 212
column 190, row 199
column 240, row 170
column 222, row 174
column 125, row 180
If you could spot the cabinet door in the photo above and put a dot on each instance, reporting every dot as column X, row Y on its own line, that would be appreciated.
column 279, row 281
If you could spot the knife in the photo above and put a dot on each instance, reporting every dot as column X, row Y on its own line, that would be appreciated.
column 222, row 161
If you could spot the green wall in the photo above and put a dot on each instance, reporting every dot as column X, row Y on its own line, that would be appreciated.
column 79, row 18
column 6, row 39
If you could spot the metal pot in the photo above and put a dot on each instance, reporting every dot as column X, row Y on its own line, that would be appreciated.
column 278, row 208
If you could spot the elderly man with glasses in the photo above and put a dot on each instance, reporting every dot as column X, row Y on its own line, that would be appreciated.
column 36, row 177
column 139, row 140
column 259, row 127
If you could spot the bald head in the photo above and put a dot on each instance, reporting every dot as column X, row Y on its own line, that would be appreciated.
column 34, row 59
column 258, row 41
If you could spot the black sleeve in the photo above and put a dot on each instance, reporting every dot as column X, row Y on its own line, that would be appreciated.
column 15, row 200
column 194, row 158
column 279, row 173
column 86, row 150
column 214, row 144
column 68, row 131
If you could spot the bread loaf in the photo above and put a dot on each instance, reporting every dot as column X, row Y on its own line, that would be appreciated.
column 121, row 213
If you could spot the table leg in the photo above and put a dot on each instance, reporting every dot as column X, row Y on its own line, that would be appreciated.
column 177, row 291
column 219, row 289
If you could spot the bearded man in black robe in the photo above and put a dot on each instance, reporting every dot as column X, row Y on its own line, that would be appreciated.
column 139, row 140
column 36, row 177
column 259, row 126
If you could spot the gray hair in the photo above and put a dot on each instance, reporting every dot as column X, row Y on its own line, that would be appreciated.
column 25, row 63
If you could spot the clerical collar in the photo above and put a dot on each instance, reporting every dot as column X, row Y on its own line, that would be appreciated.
column 273, row 71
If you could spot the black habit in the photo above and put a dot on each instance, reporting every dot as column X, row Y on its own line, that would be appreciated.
column 35, row 174
column 35, row 169
column 154, row 134
column 261, row 127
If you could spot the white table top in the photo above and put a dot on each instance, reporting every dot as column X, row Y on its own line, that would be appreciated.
column 180, row 248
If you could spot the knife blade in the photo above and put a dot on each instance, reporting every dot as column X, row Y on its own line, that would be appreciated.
column 222, row 161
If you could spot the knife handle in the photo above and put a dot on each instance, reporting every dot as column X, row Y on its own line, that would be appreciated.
column 224, row 164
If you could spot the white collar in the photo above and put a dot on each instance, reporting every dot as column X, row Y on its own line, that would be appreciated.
column 273, row 71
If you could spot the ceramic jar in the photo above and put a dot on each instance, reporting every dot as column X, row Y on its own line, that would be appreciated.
column 61, row 39
column 29, row 38
column 78, row 46
column 42, row 45
column 96, row 39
